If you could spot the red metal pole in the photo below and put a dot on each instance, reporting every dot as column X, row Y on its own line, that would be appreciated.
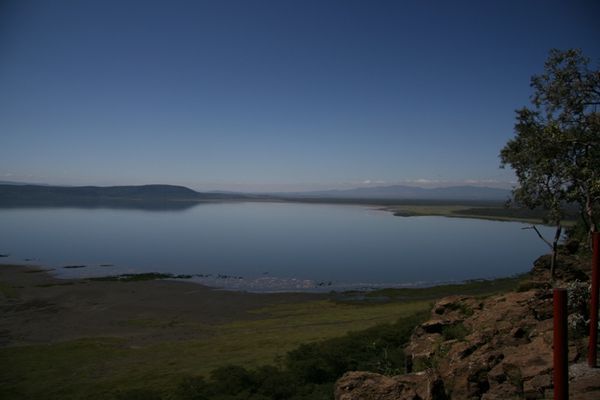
column 593, row 343
column 561, row 360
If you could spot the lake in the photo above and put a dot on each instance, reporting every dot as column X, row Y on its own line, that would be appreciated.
column 269, row 246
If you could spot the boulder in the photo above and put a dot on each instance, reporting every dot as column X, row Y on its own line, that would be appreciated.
column 359, row 385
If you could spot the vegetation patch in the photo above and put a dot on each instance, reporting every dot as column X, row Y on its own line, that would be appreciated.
column 44, row 285
column 528, row 285
column 536, row 215
column 157, row 323
column 455, row 332
column 147, row 276
column 37, row 271
column 462, row 307
column 495, row 211
column 8, row 290
column 469, row 288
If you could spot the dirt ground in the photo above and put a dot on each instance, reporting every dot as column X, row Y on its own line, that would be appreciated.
column 38, row 308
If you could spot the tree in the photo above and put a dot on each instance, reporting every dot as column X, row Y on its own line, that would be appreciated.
column 534, row 154
column 568, row 93
column 556, row 150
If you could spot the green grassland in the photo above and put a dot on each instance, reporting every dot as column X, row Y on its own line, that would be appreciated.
column 93, row 368
column 493, row 211
column 469, row 288
column 99, row 367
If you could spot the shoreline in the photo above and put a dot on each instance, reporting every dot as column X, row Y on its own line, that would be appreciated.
column 42, row 277
column 252, row 285
column 458, row 211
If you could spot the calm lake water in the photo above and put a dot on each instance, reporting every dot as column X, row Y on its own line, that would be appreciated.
column 269, row 246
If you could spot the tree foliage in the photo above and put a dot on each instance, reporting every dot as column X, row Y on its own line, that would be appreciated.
column 556, row 150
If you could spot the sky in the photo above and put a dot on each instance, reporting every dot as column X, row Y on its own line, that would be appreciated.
column 272, row 95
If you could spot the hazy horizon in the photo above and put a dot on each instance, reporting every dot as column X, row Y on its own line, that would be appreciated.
column 301, row 187
column 272, row 96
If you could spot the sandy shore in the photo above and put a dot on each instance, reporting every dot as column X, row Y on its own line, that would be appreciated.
column 39, row 308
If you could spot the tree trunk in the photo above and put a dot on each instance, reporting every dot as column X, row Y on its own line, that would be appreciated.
column 553, row 245
column 555, row 251
column 589, row 210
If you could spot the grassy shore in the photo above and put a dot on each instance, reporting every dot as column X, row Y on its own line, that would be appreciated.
column 493, row 212
column 66, row 339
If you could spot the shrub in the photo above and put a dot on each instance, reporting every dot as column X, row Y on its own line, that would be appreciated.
column 377, row 349
column 311, row 369
column 193, row 388
column 138, row 394
column 232, row 379
column 578, row 301
column 456, row 331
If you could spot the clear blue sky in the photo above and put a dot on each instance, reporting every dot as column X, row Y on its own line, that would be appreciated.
column 267, row 95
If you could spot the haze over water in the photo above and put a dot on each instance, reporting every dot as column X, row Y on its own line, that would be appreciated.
column 269, row 246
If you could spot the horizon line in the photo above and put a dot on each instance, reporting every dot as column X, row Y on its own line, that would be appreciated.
column 239, row 187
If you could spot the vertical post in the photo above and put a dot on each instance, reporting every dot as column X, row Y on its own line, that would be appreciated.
column 561, row 365
column 593, row 343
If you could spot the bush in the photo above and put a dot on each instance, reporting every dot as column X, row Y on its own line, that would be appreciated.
column 310, row 370
column 274, row 383
column 232, row 379
column 138, row 394
column 377, row 349
column 578, row 301
column 193, row 388
column 577, row 231
column 456, row 331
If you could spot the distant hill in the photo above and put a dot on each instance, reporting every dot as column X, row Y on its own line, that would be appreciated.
column 144, row 196
column 403, row 192
column 22, row 183
column 177, row 197
column 131, row 192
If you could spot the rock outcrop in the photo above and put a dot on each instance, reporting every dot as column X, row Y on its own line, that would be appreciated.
column 370, row 386
column 499, row 347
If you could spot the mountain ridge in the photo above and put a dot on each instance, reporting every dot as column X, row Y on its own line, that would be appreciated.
column 35, row 193
column 406, row 192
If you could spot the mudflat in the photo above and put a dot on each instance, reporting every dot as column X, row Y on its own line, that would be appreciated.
column 39, row 308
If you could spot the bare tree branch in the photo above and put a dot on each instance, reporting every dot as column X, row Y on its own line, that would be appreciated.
column 539, row 234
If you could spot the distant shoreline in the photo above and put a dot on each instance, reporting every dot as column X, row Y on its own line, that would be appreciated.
column 484, row 213
column 492, row 211
column 458, row 201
